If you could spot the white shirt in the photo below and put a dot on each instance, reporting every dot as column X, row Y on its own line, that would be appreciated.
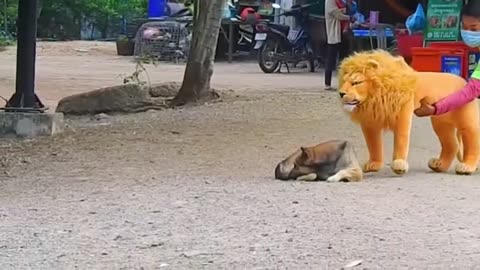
column 333, row 16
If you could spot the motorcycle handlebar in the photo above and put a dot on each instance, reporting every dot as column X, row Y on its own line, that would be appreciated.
column 301, row 7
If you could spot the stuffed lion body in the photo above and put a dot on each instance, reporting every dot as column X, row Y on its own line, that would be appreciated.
column 380, row 92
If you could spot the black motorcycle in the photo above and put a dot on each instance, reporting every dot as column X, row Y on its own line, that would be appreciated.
column 279, row 44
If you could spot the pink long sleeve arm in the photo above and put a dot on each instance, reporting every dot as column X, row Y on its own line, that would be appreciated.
column 459, row 98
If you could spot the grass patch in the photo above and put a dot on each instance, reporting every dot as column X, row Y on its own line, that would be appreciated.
column 5, row 42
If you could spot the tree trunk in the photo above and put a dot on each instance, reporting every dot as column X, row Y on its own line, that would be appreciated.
column 199, row 69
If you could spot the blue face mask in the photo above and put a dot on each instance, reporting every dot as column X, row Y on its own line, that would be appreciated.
column 471, row 38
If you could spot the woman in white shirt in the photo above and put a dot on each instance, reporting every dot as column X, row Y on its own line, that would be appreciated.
column 333, row 18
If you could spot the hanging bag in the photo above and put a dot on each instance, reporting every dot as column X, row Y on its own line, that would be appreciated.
column 416, row 21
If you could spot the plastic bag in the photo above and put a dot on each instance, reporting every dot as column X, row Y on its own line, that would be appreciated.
column 352, row 7
column 227, row 12
column 416, row 21
column 359, row 18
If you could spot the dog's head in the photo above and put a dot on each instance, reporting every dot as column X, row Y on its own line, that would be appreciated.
column 308, row 160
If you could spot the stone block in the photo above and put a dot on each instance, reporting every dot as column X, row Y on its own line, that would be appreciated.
column 30, row 125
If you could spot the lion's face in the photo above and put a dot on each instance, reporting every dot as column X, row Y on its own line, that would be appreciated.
column 354, row 90
column 374, row 85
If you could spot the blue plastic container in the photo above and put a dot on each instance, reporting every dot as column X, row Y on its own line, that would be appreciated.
column 156, row 8
column 452, row 64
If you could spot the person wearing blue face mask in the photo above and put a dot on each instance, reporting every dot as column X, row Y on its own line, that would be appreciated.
column 471, row 37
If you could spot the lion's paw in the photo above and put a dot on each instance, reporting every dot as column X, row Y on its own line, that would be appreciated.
column 437, row 165
column 464, row 169
column 372, row 166
column 399, row 166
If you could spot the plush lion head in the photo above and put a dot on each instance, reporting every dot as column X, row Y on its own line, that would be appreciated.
column 375, row 84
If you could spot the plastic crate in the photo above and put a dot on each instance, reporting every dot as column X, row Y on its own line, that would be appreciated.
column 471, row 55
column 439, row 59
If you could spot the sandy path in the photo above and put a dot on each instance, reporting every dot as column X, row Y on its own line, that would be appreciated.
column 193, row 188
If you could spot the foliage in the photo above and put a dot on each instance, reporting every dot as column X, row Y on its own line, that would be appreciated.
column 5, row 40
column 135, row 77
column 10, row 10
column 63, row 18
column 122, row 38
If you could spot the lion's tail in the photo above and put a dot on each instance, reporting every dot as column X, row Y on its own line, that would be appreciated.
column 460, row 147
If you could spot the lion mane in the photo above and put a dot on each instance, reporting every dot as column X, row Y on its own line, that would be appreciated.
column 393, row 85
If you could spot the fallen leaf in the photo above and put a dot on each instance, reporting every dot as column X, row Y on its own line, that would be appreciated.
column 353, row 264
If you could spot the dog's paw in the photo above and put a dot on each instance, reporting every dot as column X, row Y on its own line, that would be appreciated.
column 399, row 166
column 333, row 178
column 437, row 165
column 307, row 177
column 372, row 166
column 464, row 169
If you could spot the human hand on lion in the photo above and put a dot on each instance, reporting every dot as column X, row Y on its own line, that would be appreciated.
column 426, row 108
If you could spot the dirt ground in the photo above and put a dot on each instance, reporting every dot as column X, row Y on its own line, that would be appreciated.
column 193, row 188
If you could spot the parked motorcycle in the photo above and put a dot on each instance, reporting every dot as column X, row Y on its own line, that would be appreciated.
column 279, row 44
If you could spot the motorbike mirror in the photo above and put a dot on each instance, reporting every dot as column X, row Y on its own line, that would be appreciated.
column 275, row 5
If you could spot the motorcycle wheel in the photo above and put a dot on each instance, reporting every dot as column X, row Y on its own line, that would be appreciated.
column 270, row 46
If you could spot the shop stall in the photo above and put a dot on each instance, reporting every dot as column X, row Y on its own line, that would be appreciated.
column 443, row 50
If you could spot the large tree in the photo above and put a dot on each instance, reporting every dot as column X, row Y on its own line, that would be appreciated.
column 199, row 69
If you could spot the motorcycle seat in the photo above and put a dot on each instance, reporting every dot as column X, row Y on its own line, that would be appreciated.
column 281, row 27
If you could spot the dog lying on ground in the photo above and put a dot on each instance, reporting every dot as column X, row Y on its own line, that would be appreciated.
column 331, row 161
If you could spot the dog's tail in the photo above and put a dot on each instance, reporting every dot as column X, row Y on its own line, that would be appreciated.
column 460, row 146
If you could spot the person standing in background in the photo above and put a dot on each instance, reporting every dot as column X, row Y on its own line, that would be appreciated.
column 347, row 33
column 334, row 16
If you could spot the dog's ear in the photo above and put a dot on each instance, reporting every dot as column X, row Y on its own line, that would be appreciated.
column 308, row 155
column 304, row 152
column 373, row 64
column 343, row 145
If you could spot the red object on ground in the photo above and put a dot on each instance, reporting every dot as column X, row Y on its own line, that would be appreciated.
column 406, row 42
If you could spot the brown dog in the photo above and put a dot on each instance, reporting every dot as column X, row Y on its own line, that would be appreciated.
column 331, row 161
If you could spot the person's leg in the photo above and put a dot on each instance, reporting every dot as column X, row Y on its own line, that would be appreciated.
column 328, row 66
column 346, row 45
column 331, row 61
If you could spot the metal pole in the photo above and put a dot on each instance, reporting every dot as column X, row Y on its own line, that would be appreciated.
column 24, row 98
column 5, row 17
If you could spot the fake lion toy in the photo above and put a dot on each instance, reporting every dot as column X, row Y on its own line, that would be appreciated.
column 380, row 92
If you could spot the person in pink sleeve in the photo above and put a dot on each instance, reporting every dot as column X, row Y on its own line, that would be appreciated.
column 471, row 36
